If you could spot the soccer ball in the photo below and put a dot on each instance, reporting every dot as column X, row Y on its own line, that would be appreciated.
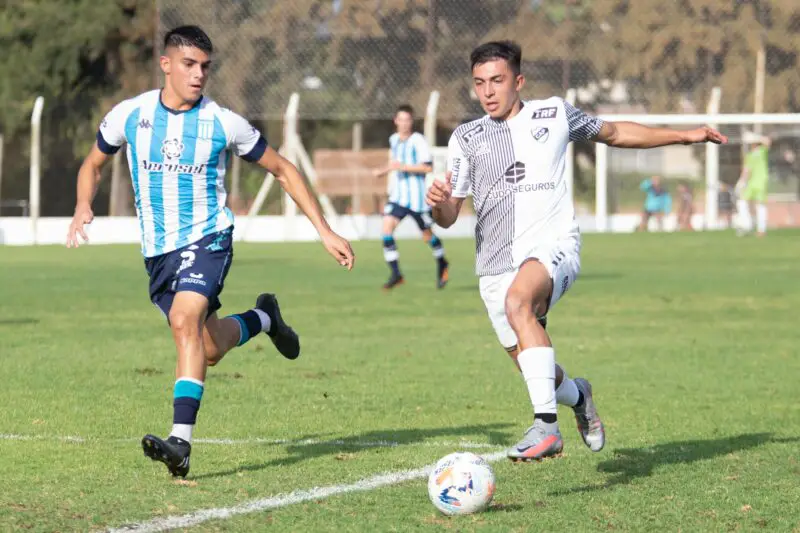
column 461, row 483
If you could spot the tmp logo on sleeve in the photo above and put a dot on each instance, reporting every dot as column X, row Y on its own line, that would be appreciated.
column 545, row 112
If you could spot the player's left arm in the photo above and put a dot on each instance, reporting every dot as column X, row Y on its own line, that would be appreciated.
column 419, row 168
column 295, row 185
column 424, row 158
column 635, row 135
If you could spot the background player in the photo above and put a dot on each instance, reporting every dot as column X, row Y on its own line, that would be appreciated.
column 753, row 184
column 527, row 240
column 178, row 143
column 410, row 160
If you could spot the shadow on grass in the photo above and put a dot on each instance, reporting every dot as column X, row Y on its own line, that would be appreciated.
column 629, row 464
column 18, row 321
column 369, row 440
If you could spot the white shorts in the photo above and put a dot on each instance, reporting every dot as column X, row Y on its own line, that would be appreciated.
column 562, row 260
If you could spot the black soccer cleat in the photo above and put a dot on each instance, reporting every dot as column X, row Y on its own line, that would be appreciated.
column 173, row 452
column 394, row 281
column 442, row 274
column 283, row 337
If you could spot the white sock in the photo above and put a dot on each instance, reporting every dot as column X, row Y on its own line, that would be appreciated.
column 567, row 393
column 761, row 218
column 538, row 367
column 182, row 431
column 743, row 210
column 266, row 322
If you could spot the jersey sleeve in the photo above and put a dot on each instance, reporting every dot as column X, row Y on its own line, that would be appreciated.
column 458, row 165
column 582, row 127
column 244, row 139
column 423, row 150
column 111, row 133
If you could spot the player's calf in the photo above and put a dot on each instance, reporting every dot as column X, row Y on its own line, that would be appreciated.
column 392, row 257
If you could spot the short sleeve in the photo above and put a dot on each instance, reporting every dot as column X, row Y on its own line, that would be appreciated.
column 582, row 127
column 458, row 165
column 244, row 139
column 111, row 133
column 423, row 150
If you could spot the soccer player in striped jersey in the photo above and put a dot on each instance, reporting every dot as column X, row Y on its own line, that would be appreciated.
column 179, row 147
column 410, row 160
column 527, row 239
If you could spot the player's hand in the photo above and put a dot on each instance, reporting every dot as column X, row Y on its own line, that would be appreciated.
column 83, row 215
column 705, row 134
column 395, row 165
column 440, row 192
column 378, row 172
column 340, row 249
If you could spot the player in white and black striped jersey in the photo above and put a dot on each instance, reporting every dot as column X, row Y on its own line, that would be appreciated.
column 527, row 239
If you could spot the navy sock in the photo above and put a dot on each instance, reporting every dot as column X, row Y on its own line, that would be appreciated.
column 391, row 255
column 438, row 251
column 249, row 326
column 186, row 402
column 547, row 418
column 580, row 400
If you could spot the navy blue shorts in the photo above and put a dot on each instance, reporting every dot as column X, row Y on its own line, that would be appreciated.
column 423, row 220
column 200, row 267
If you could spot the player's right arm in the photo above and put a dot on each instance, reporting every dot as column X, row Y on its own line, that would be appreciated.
column 88, row 182
column 446, row 197
column 110, row 137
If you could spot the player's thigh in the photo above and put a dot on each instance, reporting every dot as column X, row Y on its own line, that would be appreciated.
column 531, row 289
column 424, row 222
column 493, row 290
column 392, row 215
column 565, row 267
column 204, row 267
column 544, row 279
column 188, row 312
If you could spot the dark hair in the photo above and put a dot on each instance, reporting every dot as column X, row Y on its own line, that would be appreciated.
column 192, row 36
column 508, row 50
column 405, row 108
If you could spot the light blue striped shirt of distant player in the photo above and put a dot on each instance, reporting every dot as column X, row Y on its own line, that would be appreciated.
column 409, row 189
column 178, row 161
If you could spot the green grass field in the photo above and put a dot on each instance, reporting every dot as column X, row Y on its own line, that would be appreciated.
column 690, row 340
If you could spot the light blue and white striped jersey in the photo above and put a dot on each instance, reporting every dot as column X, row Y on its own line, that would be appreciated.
column 409, row 189
column 178, row 161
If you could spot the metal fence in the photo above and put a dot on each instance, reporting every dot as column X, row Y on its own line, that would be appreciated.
column 357, row 59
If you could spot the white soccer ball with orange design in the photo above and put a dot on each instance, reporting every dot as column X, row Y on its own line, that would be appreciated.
column 461, row 483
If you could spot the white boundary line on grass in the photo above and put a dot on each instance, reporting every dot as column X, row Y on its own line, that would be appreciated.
column 282, row 500
column 289, row 442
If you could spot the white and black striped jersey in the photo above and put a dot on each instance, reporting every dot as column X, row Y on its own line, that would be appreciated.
column 515, row 169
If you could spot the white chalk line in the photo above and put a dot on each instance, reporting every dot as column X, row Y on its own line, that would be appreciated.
column 282, row 500
column 263, row 441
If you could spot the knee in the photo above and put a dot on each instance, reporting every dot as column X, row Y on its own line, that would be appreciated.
column 518, row 310
column 183, row 323
column 521, row 310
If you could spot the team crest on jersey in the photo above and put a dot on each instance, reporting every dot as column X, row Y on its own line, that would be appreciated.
column 205, row 129
column 545, row 112
column 540, row 134
column 171, row 148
